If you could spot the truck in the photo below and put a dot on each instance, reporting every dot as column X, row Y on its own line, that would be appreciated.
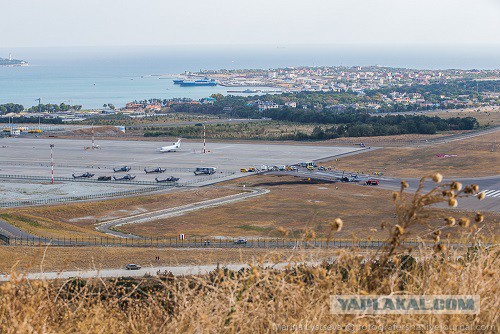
column 205, row 170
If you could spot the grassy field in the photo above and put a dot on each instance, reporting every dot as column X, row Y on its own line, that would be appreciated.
column 79, row 219
column 262, row 130
column 484, row 115
column 163, row 119
column 477, row 156
column 258, row 300
column 293, row 204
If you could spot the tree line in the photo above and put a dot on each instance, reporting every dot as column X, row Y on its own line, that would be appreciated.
column 49, row 107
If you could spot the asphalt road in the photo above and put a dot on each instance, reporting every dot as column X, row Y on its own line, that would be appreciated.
column 21, row 155
column 11, row 231
column 106, row 273
column 489, row 184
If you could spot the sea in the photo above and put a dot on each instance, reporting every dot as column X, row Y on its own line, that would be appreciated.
column 94, row 76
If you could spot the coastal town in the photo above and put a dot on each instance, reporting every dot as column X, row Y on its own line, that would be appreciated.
column 370, row 89
column 338, row 78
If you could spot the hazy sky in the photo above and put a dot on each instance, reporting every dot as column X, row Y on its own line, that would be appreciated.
column 32, row 23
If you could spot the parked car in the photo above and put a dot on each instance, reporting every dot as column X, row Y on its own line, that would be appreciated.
column 372, row 182
column 132, row 266
column 104, row 178
column 241, row 241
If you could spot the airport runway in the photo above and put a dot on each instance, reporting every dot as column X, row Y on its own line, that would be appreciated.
column 18, row 153
column 31, row 157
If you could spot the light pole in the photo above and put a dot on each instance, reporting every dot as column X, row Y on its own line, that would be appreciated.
column 204, row 140
column 52, row 162
column 39, row 104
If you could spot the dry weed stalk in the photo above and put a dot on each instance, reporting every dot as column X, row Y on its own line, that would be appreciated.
column 416, row 209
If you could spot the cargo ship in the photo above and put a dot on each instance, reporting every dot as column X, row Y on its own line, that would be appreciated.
column 191, row 83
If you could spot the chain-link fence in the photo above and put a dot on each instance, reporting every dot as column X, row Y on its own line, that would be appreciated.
column 80, row 198
column 153, row 186
column 198, row 242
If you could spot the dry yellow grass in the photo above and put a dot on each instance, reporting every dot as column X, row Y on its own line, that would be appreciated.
column 484, row 115
column 477, row 156
column 255, row 300
column 79, row 219
column 292, row 204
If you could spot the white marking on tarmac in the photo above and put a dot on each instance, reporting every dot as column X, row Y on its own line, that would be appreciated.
column 492, row 193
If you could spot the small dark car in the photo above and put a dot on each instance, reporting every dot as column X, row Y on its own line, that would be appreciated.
column 132, row 266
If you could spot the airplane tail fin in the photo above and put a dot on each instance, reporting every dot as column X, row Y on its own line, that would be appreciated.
column 178, row 142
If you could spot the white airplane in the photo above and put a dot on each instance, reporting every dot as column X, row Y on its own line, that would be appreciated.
column 171, row 148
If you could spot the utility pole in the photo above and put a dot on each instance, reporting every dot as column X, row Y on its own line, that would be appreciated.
column 52, row 162
column 93, row 142
column 204, row 139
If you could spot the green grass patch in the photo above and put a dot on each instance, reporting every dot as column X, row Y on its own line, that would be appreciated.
column 17, row 218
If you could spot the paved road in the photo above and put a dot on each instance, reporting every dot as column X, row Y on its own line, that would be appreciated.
column 152, row 270
column 489, row 184
column 108, row 226
column 463, row 136
column 12, row 231
column 178, row 271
